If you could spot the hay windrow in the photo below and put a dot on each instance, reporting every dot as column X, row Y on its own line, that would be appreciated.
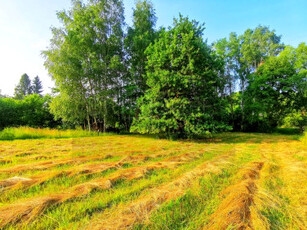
column 36, row 166
column 19, row 182
column 49, row 164
column 23, row 183
column 29, row 209
column 100, row 185
column 140, row 209
column 234, row 211
column 71, row 161
column 14, row 183
column 44, row 165
column 5, row 161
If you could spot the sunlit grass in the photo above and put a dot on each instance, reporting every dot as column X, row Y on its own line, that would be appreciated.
column 32, row 133
column 303, row 139
column 281, row 179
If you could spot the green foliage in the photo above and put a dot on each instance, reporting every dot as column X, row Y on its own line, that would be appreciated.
column 277, row 88
column 139, row 37
column 270, row 76
column 85, row 58
column 36, row 111
column 37, row 87
column 182, row 99
column 10, row 112
column 296, row 119
column 24, row 87
column 169, row 82
column 259, row 44
column 32, row 111
column 68, row 109
column 270, row 91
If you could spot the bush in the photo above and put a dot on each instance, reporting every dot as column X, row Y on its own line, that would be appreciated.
column 32, row 111
column 296, row 119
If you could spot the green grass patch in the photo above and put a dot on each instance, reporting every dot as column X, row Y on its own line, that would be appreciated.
column 22, row 133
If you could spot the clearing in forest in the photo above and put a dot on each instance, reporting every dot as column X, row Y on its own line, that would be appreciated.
column 233, row 181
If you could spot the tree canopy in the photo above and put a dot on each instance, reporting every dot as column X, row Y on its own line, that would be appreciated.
column 110, row 76
column 183, row 85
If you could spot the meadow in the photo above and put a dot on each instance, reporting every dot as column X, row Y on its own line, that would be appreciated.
column 21, row 133
column 230, row 181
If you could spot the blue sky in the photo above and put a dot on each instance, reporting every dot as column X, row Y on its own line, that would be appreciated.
column 25, row 27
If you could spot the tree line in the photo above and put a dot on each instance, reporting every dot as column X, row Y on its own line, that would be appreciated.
column 28, row 107
column 25, row 87
column 170, row 81
column 32, row 111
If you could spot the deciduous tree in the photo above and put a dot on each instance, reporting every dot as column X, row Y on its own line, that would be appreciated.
column 85, row 58
column 182, row 76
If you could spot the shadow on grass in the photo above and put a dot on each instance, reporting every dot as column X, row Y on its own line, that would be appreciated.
column 236, row 137
column 279, row 135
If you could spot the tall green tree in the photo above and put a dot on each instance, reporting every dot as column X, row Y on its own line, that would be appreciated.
column 85, row 58
column 24, row 87
column 259, row 44
column 300, row 65
column 277, row 88
column 182, row 99
column 296, row 113
column 37, row 86
column 139, row 37
column 270, row 92
column 242, row 56
column 256, row 46
column 229, row 51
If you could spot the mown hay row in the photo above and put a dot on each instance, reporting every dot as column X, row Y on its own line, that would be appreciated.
column 38, row 166
column 234, row 211
column 139, row 211
column 28, row 210
column 49, row 164
column 75, row 160
column 21, row 182
column 5, row 161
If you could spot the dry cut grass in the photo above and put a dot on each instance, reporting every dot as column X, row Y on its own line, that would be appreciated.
column 240, row 181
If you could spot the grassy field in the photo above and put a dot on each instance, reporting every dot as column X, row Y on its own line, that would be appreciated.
column 232, row 181
column 23, row 133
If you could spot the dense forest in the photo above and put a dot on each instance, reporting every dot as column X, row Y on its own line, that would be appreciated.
column 169, row 81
